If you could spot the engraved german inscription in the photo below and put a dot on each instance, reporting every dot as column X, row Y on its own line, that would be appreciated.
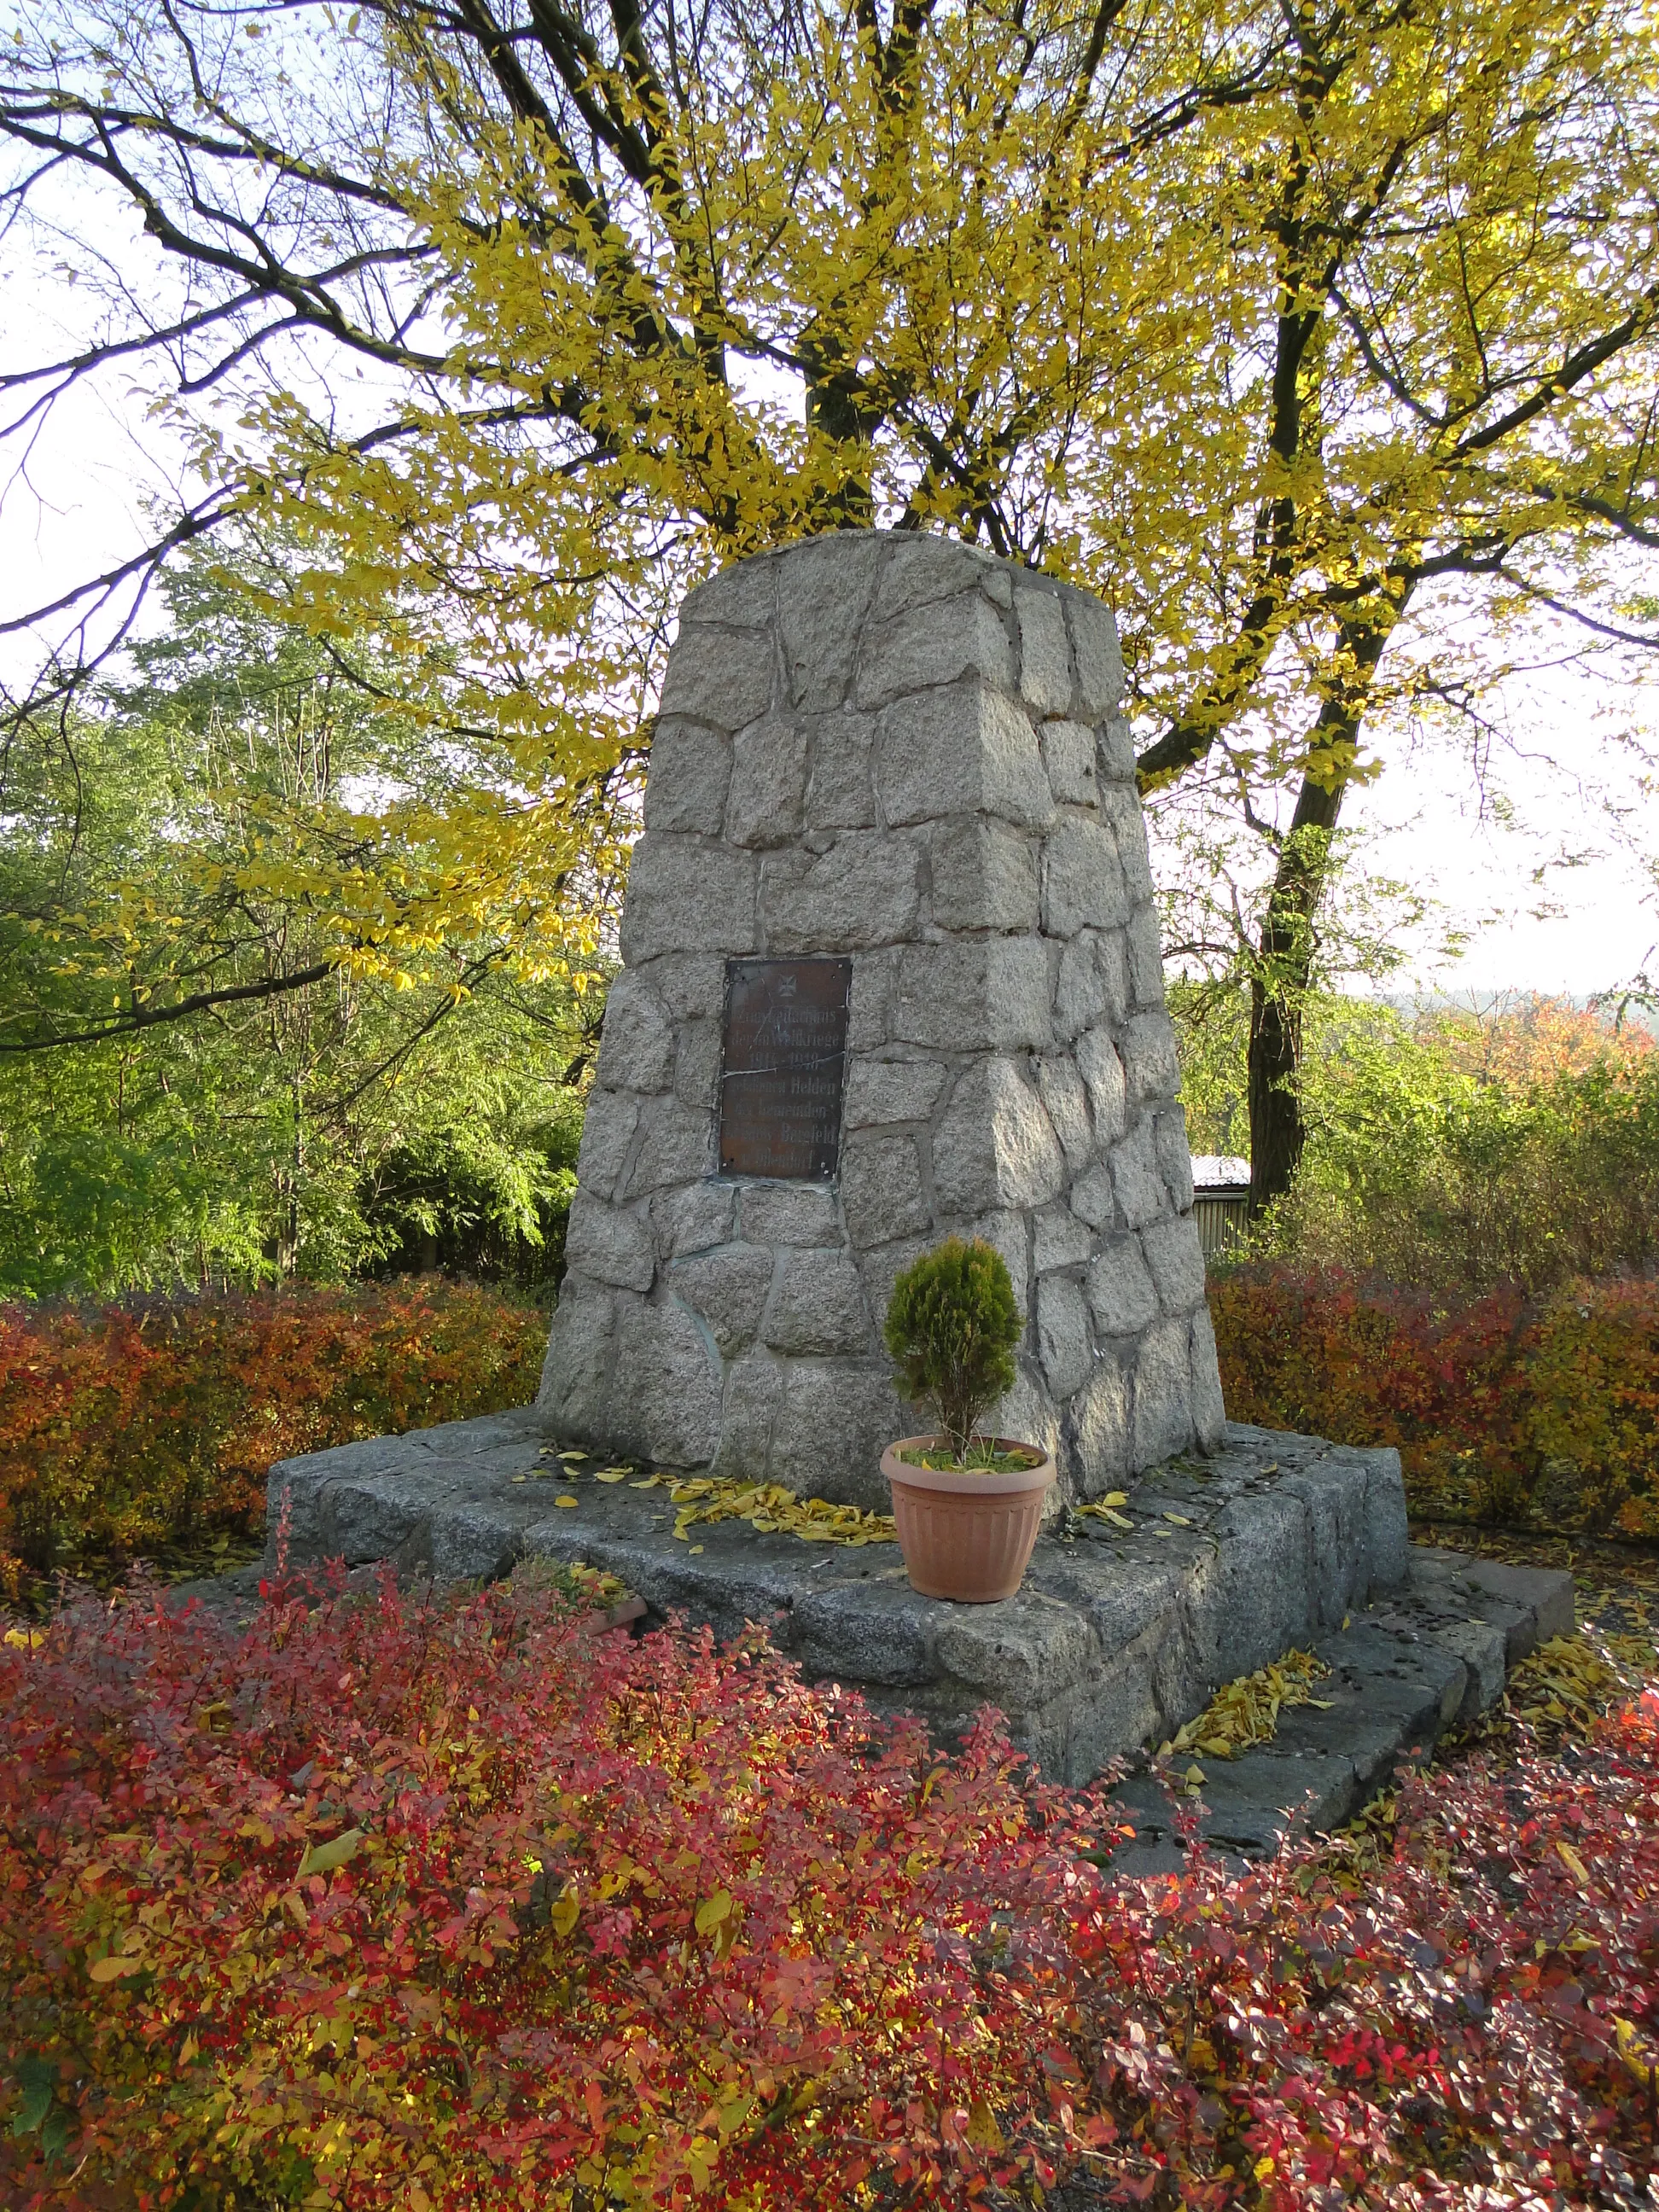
column 785, row 1052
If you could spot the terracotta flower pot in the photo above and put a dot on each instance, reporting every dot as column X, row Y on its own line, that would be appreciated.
column 965, row 1535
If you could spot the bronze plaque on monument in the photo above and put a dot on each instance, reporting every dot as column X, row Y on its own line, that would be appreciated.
column 785, row 1051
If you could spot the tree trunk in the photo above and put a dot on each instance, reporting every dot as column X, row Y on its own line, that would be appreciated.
column 1279, row 989
column 1289, row 941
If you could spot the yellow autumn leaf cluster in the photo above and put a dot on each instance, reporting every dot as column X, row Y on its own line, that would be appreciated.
column 1263, row 321
column 1569, row 1682
column 770, row 1509
column 1246, row 1712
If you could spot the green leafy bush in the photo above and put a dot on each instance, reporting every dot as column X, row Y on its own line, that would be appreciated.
column 1452, row 1151
column 952, row 1325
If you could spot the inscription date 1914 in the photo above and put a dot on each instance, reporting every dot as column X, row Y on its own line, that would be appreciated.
column 785, row 1054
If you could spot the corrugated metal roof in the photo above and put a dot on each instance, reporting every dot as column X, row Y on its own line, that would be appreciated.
column 1220, row 1171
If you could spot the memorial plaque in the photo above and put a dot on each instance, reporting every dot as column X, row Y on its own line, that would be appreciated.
column 785, row 1052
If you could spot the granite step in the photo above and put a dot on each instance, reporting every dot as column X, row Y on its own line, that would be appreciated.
column 1431, row 1656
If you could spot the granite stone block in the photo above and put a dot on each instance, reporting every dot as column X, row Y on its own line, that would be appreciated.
column 609, row 1245
column 818, row 1307
column 975, row 994
column 961, row 751
column 728, row 1289
column 984, row 875
column 719, row 675
column 687, row 894
column 1045, row 659
column 881, row 1090
column 928, row 646
column 863, row 891
column 694, row 771
column 766, row 801
column 1069, row 755
column 993, row 1145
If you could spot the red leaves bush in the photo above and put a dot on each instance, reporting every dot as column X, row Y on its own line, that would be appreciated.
column 442, row 1903
column 124, row 1428
column 1495, row 1403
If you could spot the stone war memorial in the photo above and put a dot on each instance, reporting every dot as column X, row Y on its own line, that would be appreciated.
column 891, row 970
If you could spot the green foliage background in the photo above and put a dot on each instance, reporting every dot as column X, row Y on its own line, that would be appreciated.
column 1448, row 1151
column 346, row 1128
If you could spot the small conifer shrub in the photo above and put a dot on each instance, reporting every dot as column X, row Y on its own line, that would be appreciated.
column 951, row 1327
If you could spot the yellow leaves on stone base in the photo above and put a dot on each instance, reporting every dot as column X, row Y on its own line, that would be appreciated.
column 1246, row 1712
column 770, row 1509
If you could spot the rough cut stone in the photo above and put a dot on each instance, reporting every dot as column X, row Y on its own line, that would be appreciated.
column 607, row 1141
column 1176, row 1261
column 927, row 646
column 1115, row 754
column 819, row 1307
column 863, row 891
column 985, row 875
column 1102, row 1075
column 608, row 1245
column 840, row 787
column 902, row 752
column 789, row 1214
column 729, row 1290
column 1095, row 650
column 696, row 764
column 1069, row 754
column 636, row 1052
column 881, row 1188
column 1045, row 660
column 768, row 791
column 1141, row 1196
column 693, row 1219
column 666, row 1387
column 1064, row 1343
column 993, row 1145
column 975, row 994
column 1082, row 880
column 719, row 676
column 688, row 895
column 1121, row 1290
column 1059, row 1239
column 1066, row 1104
column 885, row 1090
column 820, row 614
column 962, row 750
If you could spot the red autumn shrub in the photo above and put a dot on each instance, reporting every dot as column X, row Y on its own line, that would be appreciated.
column 1485, row 1397
column 439, row 1903
column 124, row 1427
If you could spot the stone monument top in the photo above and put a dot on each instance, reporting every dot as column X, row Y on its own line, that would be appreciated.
column 890, row 970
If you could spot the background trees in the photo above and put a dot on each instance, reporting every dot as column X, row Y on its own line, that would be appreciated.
column 1271, row 325
column 166, row 844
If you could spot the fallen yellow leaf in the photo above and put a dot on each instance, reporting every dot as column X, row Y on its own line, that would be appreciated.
column 1574, row 1865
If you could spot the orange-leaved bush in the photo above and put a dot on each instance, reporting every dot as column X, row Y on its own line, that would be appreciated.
column 126, row 1427
column 1498, row 1404
column 419, row 1900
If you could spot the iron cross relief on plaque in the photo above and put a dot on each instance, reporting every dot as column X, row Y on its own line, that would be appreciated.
column 785, row 1052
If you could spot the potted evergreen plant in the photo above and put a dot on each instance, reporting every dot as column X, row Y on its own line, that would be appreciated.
column 966, row 1507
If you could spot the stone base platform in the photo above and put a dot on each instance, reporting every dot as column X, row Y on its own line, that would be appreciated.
column 1431, row 1656
column 1117, row 1638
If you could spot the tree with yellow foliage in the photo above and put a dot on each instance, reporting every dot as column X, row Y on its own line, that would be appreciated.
column 1265, row 322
